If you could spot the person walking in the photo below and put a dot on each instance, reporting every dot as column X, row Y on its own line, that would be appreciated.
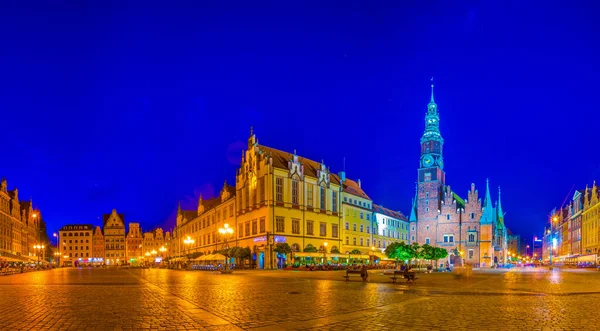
column 364, row 273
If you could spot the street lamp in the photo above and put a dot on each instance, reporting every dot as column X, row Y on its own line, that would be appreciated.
column 162, row 250
column 188, row 242
column 225, row 231
column 324, row 252
column 38, row 248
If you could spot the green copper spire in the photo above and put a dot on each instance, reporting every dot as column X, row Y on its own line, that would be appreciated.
column 432, row 101
column 488, row 210
column 499, row 209
column 413, row 208
column 432, row 121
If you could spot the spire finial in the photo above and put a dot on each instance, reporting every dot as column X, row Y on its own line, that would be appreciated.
column 294, row 151
column 251, row 130
column 432, row 90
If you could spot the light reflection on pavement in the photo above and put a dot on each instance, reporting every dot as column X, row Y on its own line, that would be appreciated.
column 145, row 299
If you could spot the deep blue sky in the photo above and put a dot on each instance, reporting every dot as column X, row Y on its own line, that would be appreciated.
column 135, row 106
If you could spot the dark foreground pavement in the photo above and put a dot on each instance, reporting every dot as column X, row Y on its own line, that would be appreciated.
column 151, row 299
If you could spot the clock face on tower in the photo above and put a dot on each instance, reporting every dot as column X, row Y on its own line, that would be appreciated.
column 440, row 162
column 428, row 160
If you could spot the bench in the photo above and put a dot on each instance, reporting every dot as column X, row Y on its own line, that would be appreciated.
column 410, row 277
column 349, row 273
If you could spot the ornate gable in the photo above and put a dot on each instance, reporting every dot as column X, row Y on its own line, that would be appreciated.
column 296, row 169
column 200, row 205
column 323, row 175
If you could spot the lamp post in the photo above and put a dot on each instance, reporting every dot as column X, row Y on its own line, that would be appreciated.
column 154, row 252
column 226, row 231
column 324, row 253
column 38, row 248
column 162, row 250
column 373, row 254
column 188, row 242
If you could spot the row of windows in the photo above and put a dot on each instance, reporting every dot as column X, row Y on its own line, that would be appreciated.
column 358, row 203
column 76, row 247
column 255, row 228
column 77, row 255
column 71, row 241
column 309, row 194
column 367, row 242
column 76, row 234
column 310, row 227
column 113, row 246
column 449, row 238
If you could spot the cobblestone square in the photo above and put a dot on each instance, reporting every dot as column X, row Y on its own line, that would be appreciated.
column 158, row 299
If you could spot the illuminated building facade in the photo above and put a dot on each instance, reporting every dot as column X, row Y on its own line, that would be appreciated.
column 388, row 226
column 441, row 218
column 98, row 246
column 576, row 207
column 76, row 244
column 590, row 222
column 358, row 222
column 114, row 238
column 202, row 225
column 21, row 227
column 134, row 243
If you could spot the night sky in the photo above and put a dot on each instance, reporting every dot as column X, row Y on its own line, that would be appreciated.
column 135, row 106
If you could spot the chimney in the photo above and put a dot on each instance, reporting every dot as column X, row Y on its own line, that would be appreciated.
column 342, row 175
column 359, row 183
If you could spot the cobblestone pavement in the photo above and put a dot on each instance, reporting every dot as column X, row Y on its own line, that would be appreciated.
column 156, row 299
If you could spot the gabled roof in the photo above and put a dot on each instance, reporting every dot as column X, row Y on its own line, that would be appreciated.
column 459, row 201
column 388, row 212
column 105, row 217
column 352, row 187
column 230, row 189
column 281, row 158
column 189, row 214
column 74, row 227
column 210, row 204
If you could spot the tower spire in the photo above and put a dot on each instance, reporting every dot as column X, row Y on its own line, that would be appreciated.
column 413, row 207
column 500, row 212
column 432, row 100
column 488, row 209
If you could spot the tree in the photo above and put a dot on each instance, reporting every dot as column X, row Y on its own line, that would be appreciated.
column 417, row 252
column 335, row 250
column 440, row 253
column 310, row 249
column 282, row 248
column 355, row 251
column 428, row 252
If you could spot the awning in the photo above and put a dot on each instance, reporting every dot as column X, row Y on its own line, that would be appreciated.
column 307, row 254
column 9, row 259
column 587, row 258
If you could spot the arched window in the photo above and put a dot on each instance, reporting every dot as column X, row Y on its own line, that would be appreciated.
column 472, row 216
column 361, row 241
column 295, row 248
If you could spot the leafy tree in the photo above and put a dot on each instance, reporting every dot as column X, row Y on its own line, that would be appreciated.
column 310, row 249
column 440, row 253
column 427, row 252
column 355, row 251
column 335, row 250
column 282, row 248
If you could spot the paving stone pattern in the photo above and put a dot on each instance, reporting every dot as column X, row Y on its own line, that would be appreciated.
column 158, row 299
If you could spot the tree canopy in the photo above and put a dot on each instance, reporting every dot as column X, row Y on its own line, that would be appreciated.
column 310, row 249
column 282, row 248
